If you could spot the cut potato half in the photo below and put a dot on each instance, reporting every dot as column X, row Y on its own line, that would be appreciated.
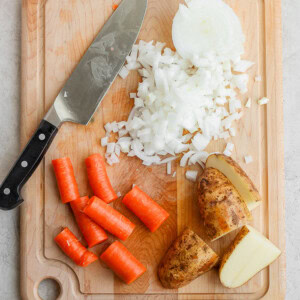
column 221, row 206
column 187, row 258
column 249, row 253
column 237, row 177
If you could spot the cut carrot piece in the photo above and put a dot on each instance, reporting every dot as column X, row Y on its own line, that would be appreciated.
column 147, row 210
column 98, row 178
column 109, row 218
column 69, row 244
column 115, row 6
column 66, row 181
column 92, row 232
column 122, row 262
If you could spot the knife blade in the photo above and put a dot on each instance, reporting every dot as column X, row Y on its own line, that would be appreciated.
column 80, row 97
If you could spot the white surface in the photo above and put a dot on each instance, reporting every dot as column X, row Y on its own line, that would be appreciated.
column 9, row 141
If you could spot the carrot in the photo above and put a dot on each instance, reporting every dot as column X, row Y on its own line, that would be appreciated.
column 92, row 232
column 66, row 181
column 69, row 244
column 122, row 262
column 115, row 6
column 109, row 218
column 98, row 178
column 147, row 210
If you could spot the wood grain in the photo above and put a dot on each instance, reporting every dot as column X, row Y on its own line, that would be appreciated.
column 55, row 34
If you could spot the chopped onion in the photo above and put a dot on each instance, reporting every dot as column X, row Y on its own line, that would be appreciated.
column 118, row 150
column 242, row 66
column 108, row 127
column 124, row 72
column 180, row 102
column 258, row 78
column 185, row 158
column 104, row 141
column 248, row 104
column 122, row 124
column 191, row 175
column 119, row 194
column 114, row 127
column 227, row 153
column 263, row 101
column 248, row 159
column 169, row 168
column 174, row 174
column 110, row 148
column 232, row 131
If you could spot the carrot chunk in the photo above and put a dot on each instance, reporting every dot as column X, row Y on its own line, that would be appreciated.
column 122, row 262
column 146, row 209
column 66, row 181
column 115, row 6
column 109, row 218
column 70, row 245
column 98, row 178
column 91, row 231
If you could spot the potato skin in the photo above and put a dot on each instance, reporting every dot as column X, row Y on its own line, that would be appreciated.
column 187, row 258
column 221, row 206
column 242, row 173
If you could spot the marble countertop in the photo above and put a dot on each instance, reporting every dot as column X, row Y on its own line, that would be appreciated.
column 10, row 39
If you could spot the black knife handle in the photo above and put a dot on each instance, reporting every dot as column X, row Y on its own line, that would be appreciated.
column 25, row 166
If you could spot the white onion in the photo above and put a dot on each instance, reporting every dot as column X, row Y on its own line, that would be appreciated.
column 258, row 78
column 242, row 66
column 104, row 141
column 191, row 175
column 169, row 168
column 263, row 101
column 185, row 158
column 124, row 72
column 248, row 104
column 207, row 26
column 179, row 105
column 110, row 148
column 248, row 159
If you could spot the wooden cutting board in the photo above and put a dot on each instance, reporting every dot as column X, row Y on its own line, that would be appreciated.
column 55, row 36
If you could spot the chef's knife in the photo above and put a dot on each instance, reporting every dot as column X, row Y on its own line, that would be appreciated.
column 81, row 95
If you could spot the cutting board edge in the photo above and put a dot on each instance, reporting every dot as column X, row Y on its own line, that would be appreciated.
column 32, row 30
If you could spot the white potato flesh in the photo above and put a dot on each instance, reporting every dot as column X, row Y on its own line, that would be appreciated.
column 207, row 26
column 253, row 253
column 251, row 198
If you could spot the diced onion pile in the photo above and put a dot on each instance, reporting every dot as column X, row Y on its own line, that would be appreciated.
column 182, row 104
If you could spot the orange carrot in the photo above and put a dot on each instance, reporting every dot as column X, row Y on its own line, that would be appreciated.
column 122, row 262
column 65, row 179
column 147, row 210
column 115, row 6
column 92, row 232
column 98, row 178
column 109, row 218
column 69, row 244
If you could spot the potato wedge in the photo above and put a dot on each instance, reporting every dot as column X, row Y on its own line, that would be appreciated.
column 237, row 177
column 220, row 204
column 187, row 258
column 248, row 254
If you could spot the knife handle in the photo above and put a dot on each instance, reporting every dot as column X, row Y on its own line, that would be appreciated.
column 25, row 165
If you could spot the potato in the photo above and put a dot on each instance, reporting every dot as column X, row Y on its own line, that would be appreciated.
column 237, row 177
column 220, row 204
column 187, row 258
column 248, row 254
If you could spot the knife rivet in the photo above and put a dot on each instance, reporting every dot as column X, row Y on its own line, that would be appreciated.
column 42, row 137
column 6, row 191
column 24, row 163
